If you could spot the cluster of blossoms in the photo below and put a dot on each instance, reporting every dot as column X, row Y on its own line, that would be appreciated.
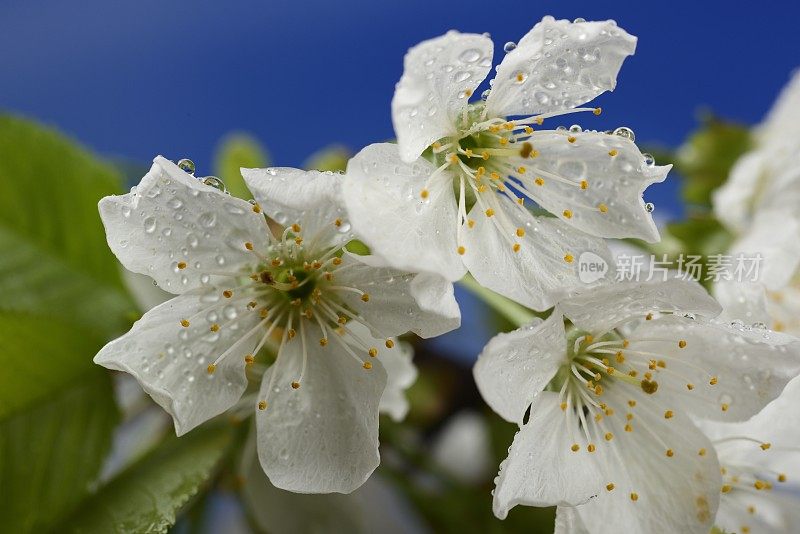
column 632, row 399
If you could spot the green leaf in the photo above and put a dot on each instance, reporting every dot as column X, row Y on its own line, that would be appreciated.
column 234, row 152
column 54, row 259
column 331, row 158
column 706, row 158
column 57, row 414
column 147, row 496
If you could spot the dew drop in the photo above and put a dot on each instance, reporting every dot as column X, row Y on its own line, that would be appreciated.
column 509, row 46
column 186, row 165
column 649, row 207
column 579, row 20
column 649, row 160
column 470, row 55
column 485, row 94
column 215, row 182
column 575, row 129
column 627, row 133
column 150, row 225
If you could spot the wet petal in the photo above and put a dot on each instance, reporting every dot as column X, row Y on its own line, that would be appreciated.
column 514, row 368
column 589, row 188
column 176, row 230
column 559, row 65
column 171, row 361
column 439, row 76
column 543, row 270
column 323, row 436
column 383, row 200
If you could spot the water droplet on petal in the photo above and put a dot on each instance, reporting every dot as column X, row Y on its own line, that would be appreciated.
column 575, row 129
column 509, row 46
column 649, row 160
column 627, row 133
column 215, row 182
column 649, row 207
column 150, row 225
column 485, row 94
column 186, row 165
column 470, row 55
column 579, row 20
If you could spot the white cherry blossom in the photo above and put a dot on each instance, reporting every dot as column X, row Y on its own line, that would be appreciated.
column 241, row 284
column 606, row 404
column 760, row 466
column 451, row 194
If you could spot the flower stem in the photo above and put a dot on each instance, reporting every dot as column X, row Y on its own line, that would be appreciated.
column 516, row 313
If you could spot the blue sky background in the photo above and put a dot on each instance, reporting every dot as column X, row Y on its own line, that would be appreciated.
column 135, row 79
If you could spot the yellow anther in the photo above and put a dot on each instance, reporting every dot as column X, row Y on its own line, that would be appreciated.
column 252, row 304
column 248, row 245
column 613, row 152
column 424, row 193
column 509, row 125
column 526, row 149
column 323, row 342
column 489, row 212
column 563, row 406
column 291, row 333
column 520, row 232
column 682, row 344
column 632, row 403
column 365, row 297
column 436, row 145
column 610, row 487
column 567, row 214
column 468, row 92
column 298, row 240
column 367, row 365
column 227, row 293
column 468, row 152
column 724, row 407
column 482, row 188
column 609, row 436
column 521, row 201
column 453, row 158
column 337, row 222
column 494, row 128
column 571, row 139
column 470, row 223
column 670, row 453
column 262, row 405
column 295, row 385
column 649, row 386
column 520, row 76
column 263, row 312
column 184, row 323
column 628, row 428
column 633, row 373
column 759, row 484
column 504, row 141
column 539, row 181
column 181, row 265
column 690, row 387
column 539, row 120
column 598, row 389
column 521, row 170
column 765, row 446
column 528, row 130
column 516, row 247
column 751, row 509
column 575, row 447
column 781, row 477
column 569, row 258
column 701, row 452
column 372, row 352
column 296, row 228
column 389, row 343
column 211, row 368
column 584, row 184
column 248, row 359
column 713, row 381
column 591, row 447
column 634, row 497
column 668, row 414
column 597, row 111
column 603, row 208
column 214, row 327
column 726, row 488
column 494, row 175
column 256, row 208
column 485, row 155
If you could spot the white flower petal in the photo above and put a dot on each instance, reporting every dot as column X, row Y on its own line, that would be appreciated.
column 541, row 470
column 322, row 437
column 742, row 301
column 538, row 275
column 783, row 120
column 559, row 65
column 401, row 373
column 615, row 183
column 733, row 201
column 776, row 512
column 275, row 510
column 610, row 306
column 311, row 199
column 677, row 493
column 514, row 368
column 568, row 521
column 171, row 361
column 399, row 301
column 775, row 236
column 463, row 448
column 438, row 78
column 751, row 366
column 382, row 195
column 176, row 229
